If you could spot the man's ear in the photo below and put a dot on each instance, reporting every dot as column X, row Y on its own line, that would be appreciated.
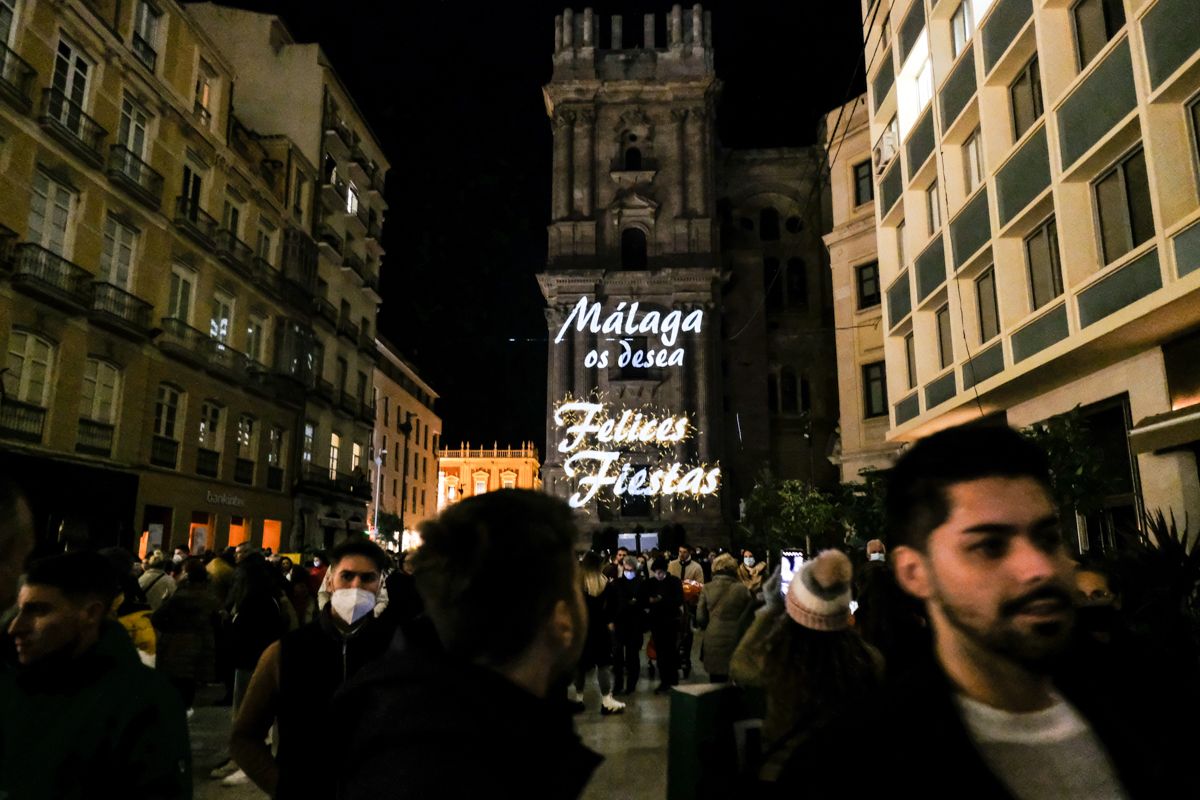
column 912, row 571
column 92, row 611
column 561, row 625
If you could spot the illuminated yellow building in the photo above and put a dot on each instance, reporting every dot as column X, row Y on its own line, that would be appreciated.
column 469, row 471
column 157, row 280
column 408, row 433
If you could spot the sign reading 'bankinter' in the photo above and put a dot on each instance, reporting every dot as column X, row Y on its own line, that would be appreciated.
column 596, row 436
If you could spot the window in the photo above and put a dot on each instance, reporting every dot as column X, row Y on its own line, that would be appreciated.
column 1194, row 113
column 132, row 134
column 206, row 80
column 362, row 387
column 298, row 194
column 8, row 21
column 193, row 182
column 247, row 437
column 179, row 304
column 264, row 247
column 874, row 390
column 900, row 229
column 773, row 284
column 210, row 425
column 508, row 480
column 945, row 344
column 145, row 33
column 925, row 83
column 221, row 320
column 768, row 225
column 797, row 284
column 72, row 73
column 633, row 248
column 383, row 452
column 255, row 334
column 864, row 185
column 309, row 442
column 98, row 395
column 116, row 260
column 166, row 411
column 933, row 209
column 910, row 360
column 231, row 216
column 1096, row 23
column 275, row 447
column 1123, row 205
column 1045, row 271
column 30, row 364
column 973, row 161
column 343, row 369
column 985, row 297
column 50, row 209
column 962, row 26
column 868, row 284
column 355, row 456
column 480, row 485
column 1025, row 96
column 633, row 158
column 386, row 413
column 335, row 446
column 352, row 199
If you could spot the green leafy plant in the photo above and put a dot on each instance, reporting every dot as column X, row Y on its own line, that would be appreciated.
column 1077, row 465
column 783, row 513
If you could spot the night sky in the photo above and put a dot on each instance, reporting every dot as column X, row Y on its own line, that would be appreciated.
column 453, row 90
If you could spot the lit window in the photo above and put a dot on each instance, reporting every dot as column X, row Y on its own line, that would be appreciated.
column 247, row 437
column 255, row 333
column 116, row 260
column 1045, row 271
column 51, row 206
column 352, row 199
column 480, row 485
column 210, row 426
column 1123, row 203
column 179, row 304
column 221, row 320
column 309, row 441
column 925, row 84
column 275, row 447
column 355, row 456
column 335, row 447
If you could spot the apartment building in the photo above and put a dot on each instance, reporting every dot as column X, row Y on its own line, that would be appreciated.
column 155, row 267
column 468, row 471
column 291, row 88
column 861, row 443
column 1037, row 203
column 408, row 434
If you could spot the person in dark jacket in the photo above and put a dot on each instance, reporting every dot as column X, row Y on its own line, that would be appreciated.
column 976, row 537
column 80, row 716
column 465, row 719
column 296, row 678
column 185, row 624
column 662, row 596
column 629, row 627
column 599, row 597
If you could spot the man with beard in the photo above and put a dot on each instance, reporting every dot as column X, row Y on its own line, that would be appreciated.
column 976, row 538
column 464, row 720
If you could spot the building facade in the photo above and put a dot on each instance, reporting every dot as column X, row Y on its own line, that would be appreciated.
column 408, row 435
column 656, row 411
column 153, row 261
column 291, row 87
column 1037, row 204
column 861, row 443
column 470, row 471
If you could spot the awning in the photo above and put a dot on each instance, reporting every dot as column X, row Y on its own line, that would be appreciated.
column 1165, row 431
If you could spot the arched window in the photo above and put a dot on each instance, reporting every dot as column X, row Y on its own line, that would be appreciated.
column 633, row 158
column 30, row 368
column 768, row 225
column 633, row 248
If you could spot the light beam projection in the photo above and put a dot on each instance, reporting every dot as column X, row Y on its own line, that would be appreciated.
column 592, row 432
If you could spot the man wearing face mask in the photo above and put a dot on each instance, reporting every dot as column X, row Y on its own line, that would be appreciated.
column 629, row 627
column 465, row 720
column 296, row 678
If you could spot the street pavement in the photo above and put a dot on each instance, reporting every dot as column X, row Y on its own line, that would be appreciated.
column 634, row 744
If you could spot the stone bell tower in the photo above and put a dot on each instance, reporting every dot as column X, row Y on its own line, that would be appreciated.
column 632, row 239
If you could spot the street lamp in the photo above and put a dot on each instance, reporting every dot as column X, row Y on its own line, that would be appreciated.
column 378, row 479
column 406, row 429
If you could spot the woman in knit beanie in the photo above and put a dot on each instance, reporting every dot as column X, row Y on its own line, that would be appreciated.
column 803, row 652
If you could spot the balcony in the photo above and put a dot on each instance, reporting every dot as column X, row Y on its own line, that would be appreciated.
column 333, row 193
column 349, row 404
column 361, row 168
column 275, row 479
column 203, row 115
column 348, row 329
column 21, row 421
column 323, row 309
column 15, row 77
column 355, row 484
column 64, row 119
column 208, row 462
column 366, row 413
column 371, row 285
column 144, row 52
column 357, row 221
column 202, row 350
column 352, row 263
column 40, row 272
column 243, row 471
column 366, row 342
column 164, row 452
column 129, row 171
column 324, row 390
column 234, row 252
column 299, row 262
column 114, row 307
column 329, row 244
column 94, row 438
column 195, row 222
column 266, row 276
column 338, row 137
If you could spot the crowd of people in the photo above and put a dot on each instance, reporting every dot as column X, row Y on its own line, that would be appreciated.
column 978, row 659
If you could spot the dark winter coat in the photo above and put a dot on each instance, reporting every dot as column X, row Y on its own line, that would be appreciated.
column 100, row 725
column 664, row 601
column 597, row 648
column 257, row 617
column 187, row 646
column 427, row 725
column 723, row 601
column 629, row 611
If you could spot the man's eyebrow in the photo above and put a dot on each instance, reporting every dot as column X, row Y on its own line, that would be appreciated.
column 1007, row 529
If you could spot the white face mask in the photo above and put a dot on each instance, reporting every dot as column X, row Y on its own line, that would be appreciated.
column 749, row 561
column 630, row 574
column 877, row 557
column 351, row 605
column 178, row 558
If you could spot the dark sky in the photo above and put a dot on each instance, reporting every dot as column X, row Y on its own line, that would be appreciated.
column 453, row 89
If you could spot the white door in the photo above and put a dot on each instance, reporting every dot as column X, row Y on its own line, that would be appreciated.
column 179, row 303
column 133, row 128
column 50, row 214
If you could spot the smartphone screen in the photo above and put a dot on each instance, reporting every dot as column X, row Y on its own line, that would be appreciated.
column 789, row 562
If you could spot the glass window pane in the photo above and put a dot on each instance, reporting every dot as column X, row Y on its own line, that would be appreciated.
column 1110, row 205
column 910, row 360
column 945, row 345
column 1137, row 190
column 989, row 318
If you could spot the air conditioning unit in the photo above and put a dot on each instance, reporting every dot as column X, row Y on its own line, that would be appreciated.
column 885, row 151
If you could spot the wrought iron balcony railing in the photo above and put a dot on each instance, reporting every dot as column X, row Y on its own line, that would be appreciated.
column 16, row 75
column 65, row 119
column 208, row 462
column 130, row 171
column 234, row 252
column 48, row 274
column 117, row 305
column 22, row 421
column 195, row 221
column 94, row 437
